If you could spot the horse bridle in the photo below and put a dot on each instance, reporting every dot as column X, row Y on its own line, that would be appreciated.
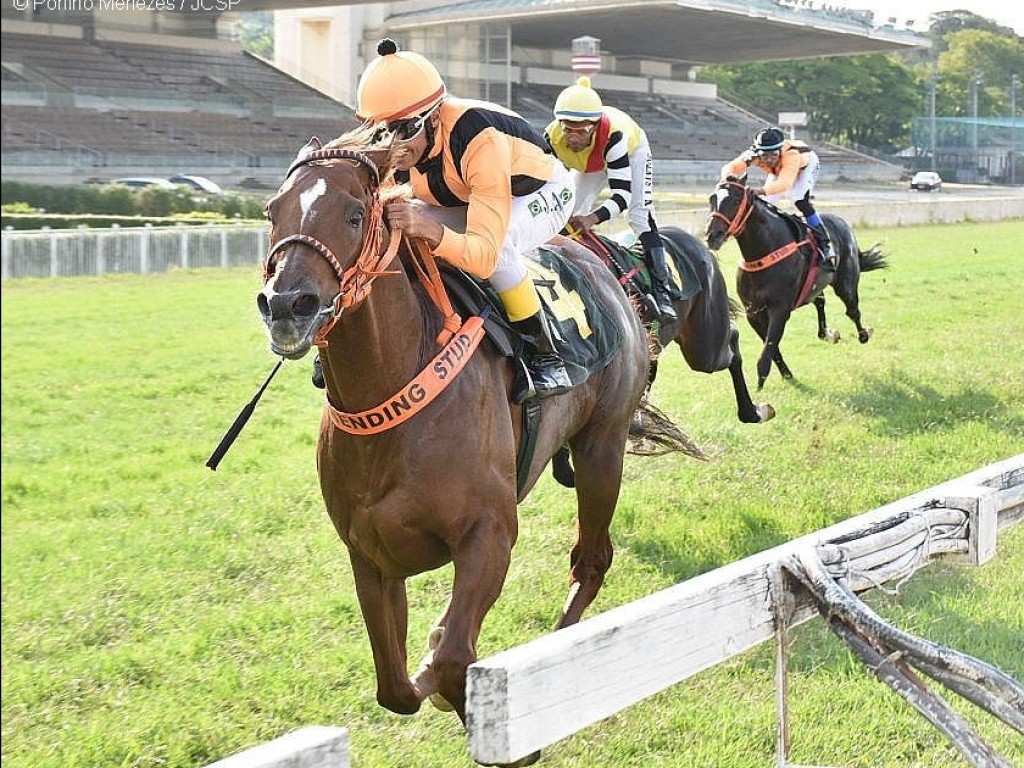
column 736, row 224
column 353, row 283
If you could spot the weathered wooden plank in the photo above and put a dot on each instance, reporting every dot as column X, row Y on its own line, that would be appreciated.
column 316, row 746
column 530, row 696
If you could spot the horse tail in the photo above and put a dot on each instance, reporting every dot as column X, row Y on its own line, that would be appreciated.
column 872, row 258
column 652, row 433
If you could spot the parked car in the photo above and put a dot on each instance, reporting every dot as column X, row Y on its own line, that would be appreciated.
column 198, row 183
column 926, row 181
column 142, row 182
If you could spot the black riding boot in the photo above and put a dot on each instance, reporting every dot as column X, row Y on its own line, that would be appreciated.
column 654, row 255
column 546, row 367
column 318, row 373
column 828, row 255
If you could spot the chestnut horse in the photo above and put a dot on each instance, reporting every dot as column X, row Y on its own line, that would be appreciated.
column 779, row 270
column 441, row 485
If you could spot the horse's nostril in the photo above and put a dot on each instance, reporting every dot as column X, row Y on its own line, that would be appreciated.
column 306, row 304
column 262, row 304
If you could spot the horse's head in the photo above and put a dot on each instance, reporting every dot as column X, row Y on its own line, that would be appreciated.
column 730, row 205
column 326, row 231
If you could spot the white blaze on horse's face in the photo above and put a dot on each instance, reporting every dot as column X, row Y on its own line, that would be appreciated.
column 721, row 195
column 309, row 197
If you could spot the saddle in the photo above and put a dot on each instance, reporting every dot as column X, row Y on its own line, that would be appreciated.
column 815, row 278
column 581, row 328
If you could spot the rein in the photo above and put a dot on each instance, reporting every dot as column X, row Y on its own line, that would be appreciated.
column 458, row 340
column 738, row 223
column 353, row 283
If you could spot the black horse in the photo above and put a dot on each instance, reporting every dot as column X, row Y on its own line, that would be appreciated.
column 704, row 330
column 780, row 270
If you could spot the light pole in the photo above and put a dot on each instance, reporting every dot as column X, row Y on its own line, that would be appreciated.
column 932, row 82
column 977, row 80
column 1014, row 84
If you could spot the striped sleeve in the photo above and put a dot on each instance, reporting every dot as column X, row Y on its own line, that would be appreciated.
column 620, row 178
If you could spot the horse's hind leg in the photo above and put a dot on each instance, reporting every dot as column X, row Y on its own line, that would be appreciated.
column 824, row 332
column 598, row 462
column 851, row 300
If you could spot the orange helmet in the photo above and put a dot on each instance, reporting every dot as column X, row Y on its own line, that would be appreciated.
column 397, row 85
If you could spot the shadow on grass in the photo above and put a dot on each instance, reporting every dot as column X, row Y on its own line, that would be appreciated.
column 682, row 559
column 903, row 403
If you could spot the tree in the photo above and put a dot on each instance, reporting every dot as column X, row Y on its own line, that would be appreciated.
column 868, row 101
column 969, row 53
column 256, row 33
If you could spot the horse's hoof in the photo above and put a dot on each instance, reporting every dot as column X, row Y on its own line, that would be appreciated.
column 864, row 335
column 523, row 761
column 441, row 703
column 832, row 337
column 766, row 413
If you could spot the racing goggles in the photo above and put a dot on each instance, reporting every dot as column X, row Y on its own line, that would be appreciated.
column 410, row 128
column 578, row 129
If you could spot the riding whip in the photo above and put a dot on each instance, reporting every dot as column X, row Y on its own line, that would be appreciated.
column 240, row 420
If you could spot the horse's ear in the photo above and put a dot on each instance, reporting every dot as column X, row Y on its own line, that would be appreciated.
column 311, row 146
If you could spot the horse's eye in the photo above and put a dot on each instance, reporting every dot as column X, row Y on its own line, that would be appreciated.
column 356, row 220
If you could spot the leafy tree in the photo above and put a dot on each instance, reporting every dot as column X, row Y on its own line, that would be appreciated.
column 870, row 101
column 256, row 33
column 863, row 100
column 993, row 57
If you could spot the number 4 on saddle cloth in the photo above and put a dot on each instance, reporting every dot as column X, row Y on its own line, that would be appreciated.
column 580, row 328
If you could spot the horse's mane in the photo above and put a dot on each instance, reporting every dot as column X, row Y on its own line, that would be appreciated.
column 370, row 138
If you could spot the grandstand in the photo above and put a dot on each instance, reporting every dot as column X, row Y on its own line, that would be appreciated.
column 77, row 109
column 85, row 98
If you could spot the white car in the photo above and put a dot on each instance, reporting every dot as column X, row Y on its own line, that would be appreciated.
column 926, row 181
column 197, row 183
column 143, row 182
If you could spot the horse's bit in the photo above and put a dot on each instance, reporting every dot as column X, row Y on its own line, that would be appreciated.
column 738, row 221
column 353, row 283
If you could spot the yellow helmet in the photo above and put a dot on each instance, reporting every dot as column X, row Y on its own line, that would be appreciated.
column 578, row 103
column 397, row 85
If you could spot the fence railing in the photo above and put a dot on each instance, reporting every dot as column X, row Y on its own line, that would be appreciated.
column 78, row 252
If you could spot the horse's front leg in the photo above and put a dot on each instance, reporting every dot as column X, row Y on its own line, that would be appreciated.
column 748, row 412
column 597, row 456
column 824, row 332
column 770, row 323
column 481, row 561
column 385, row 612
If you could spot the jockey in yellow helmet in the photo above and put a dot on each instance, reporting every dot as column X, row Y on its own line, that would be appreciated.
column 792, row 169
column 603, row 145
column 486, row 188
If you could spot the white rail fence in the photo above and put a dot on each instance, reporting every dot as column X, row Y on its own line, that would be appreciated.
column 535, row 694
column 531, row 696
column 140, row 250
column 83, row 251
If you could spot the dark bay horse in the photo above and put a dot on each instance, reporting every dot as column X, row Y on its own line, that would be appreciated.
column 440, row 486
column 704, row 331
column 780, row 271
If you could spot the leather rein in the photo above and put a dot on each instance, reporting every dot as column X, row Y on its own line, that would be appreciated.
column 353, row 283
column 458, row 340
column 738, row 223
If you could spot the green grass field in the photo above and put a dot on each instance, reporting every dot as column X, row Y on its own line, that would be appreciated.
column 158, row 615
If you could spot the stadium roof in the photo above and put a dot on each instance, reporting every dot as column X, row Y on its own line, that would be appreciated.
column 698, row 32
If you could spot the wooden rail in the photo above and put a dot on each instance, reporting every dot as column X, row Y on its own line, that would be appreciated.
column 528, row 697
